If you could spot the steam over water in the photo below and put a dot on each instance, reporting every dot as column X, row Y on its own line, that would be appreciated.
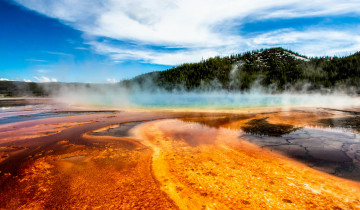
column 232, row 100
column 210, row 100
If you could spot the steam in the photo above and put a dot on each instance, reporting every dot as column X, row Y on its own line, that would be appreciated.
column 115, row 96
column 209, row 95
column 218, row 100
column 91, row 95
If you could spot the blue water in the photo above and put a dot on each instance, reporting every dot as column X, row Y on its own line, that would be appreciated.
column 225, row 100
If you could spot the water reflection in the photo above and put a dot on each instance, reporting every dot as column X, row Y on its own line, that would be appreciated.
column 117, row 130
column 345, row 122
column 263, row 128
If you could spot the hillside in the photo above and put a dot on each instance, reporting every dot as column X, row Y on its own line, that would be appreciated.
column 274, row 68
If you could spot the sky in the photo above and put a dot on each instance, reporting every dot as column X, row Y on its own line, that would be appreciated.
column 106, row 41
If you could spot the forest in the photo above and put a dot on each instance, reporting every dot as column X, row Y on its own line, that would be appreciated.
column 274, row 69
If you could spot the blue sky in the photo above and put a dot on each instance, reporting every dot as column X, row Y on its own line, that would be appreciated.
column 110, row 40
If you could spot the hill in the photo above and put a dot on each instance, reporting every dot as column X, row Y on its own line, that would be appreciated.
column 275, row 68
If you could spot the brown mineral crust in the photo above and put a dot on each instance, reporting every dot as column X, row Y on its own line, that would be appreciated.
column 72, row 170
column 169, row 164
column 108, row 177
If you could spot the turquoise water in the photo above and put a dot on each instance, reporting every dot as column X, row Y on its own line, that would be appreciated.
column 219, row 100
column 212, row 100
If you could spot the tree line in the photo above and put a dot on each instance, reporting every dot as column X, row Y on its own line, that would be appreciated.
column 276, row 68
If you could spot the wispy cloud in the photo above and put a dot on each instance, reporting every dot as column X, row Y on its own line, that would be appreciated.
column 152, row 56
column 200, row 28
column 58, row 53
column 45, row 79
column 81, row 48
column 36, row 60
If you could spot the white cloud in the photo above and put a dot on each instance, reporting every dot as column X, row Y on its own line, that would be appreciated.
column 111, row 80
column 320, row 42
column 313, row 42
column 45, row 79
column 4, row 79
column 27, row 80
column 201, row 28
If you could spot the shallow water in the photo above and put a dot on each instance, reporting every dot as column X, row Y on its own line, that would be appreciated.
column 18, row 110
column 43, row 115
column 334, row 151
